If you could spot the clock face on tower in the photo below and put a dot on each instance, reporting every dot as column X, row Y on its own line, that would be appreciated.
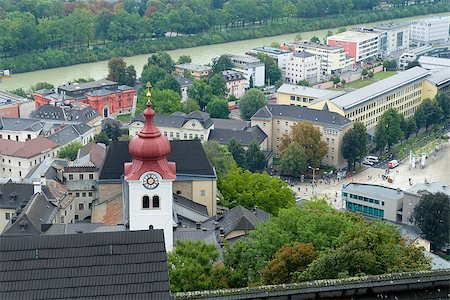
column 150, row 181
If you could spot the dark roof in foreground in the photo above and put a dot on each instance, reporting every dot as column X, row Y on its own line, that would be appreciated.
column 189, row 157
column 300, row 113
column 244, row 137
column 107, row 265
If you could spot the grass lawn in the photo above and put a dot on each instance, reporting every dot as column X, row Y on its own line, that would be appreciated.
column 358, row 83
column 124, row 118
column 384, row 75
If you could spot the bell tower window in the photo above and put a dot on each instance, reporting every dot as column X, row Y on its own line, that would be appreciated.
column 145, row 202
column 155, row 201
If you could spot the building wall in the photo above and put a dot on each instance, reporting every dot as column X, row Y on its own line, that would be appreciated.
column 5, row 215
column 187, row 132
column 405, row 100
column 236, row 87
column 430, row 31
column 359, row 49
column 195, row 74
column 298, row 69
column 205, row 192
column 19, row 167
column 350, row 48
column 107, row 191
column 10, row 110
column 398, row 39
column 183, row 188
column 119, row 103
column 429, row 90
column 409, row 203
column 21, row 136
column 66, row 214
column 277, row 128
column 235, row 234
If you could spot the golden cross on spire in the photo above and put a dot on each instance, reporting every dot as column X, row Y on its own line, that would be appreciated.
column 149, row 94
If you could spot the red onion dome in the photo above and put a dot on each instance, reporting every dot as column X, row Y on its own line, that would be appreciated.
column 149, row 144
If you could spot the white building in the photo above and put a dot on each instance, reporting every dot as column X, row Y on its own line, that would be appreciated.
column 303, row 66
column 362, row 46
column 333, row 59
column 430, row 31
column 397, row 36
column 278, row 55
column 434, row 63
column 251, row 68
column 185, row 84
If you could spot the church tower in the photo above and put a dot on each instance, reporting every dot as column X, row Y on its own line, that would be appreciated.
column 148, row 180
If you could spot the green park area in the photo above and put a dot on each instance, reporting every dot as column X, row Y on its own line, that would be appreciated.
column 124, row 118
column 354, row 85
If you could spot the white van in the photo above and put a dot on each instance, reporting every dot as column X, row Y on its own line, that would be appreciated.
column 373, row 159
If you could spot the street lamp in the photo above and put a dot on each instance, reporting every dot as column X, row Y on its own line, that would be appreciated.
column 314, row 172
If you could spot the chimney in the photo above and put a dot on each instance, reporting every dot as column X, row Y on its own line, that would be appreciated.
column 43, row 180
column 221, row 235
column 398, row 191
column 37, row 187
column 198, row 225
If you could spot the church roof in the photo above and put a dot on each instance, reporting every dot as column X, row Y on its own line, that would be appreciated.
column 106, row 265
column 189, row 156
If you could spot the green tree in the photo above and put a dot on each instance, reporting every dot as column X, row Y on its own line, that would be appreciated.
column 169, row 83
column 117, row 70
column 293, row 160
column 201, row 92
column 218, row 108
column 364, row 72
column 443, row 100
column 194, row 266
column 354, row 145
column 429, row 112
column 83, row 80
column 70, row 151
column 273, row 73
column 190, row 105
column 388, row 131
column 303, row 82
column 336, row 79
column 288, row 262
column 237, row 151
column 184, row 59
column 220, row 158
column 111, row 128
column 390, row 65
column 102, row 137
column 309, row 137
column 223, row 63
column 255, row 159
column 342, row 29
column 432, row 216
column 368, row 249
column 42, row 85
column 315, row 39
column 21, row 92
column 408, row 126
column 251, row 102
column 152, row 74
column 130, row 76
column 413, row 64
column 218, row 85
column 162, row 60
column 163, row 101
column 255, row 189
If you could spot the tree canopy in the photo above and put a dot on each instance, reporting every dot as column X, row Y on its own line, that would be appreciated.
column 119, row 72
column 432, row 216
column 273, row 73
column 70, row 151
column 111, row 128
column 354, row 144
column 220, row 158
column 293, row 160
column 163, row 101
column 388, row 131
column 238, row 152
column 242, row 187
column 309, row 137
column 251, row 102
column 223, row 63
column 218, row 108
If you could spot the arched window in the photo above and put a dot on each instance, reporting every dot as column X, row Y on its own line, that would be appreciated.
column 155, row 202
column 145, row 202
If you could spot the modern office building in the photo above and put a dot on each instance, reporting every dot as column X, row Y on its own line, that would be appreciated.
column 414, row 54
column 362, row 46
column 333, row 59
column 280, row 56
column 403, row 91
column 438, row 82
column 430, row 31
column 397, row 36
column 303, row 66
column 291, row 94
column 252, row 68
column 276, row 121
column 434, row 63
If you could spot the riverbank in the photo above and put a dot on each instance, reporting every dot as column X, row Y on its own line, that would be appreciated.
column 52, row 58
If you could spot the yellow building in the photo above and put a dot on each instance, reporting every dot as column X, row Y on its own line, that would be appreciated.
column 290, row 94
column 197, row 71
column 277, row 120
column 403, row 91
column 437, row 82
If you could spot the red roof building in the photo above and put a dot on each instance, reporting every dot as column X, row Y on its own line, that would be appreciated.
column 106, row 97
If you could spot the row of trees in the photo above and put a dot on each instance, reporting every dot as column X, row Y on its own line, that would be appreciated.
column 309, row 242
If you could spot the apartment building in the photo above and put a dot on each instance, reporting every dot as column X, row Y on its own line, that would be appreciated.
column 178, row 126
column 235, row 83
column 430, row 31
column 438, row 82
column 20, row 130
column 403, row 91
column 251, row 68
column 362, row 46
column 10, row 105
column 196, row 71
column 397, row 36
column 333, row 59
column 303, row 66
column 280, row 56
column 414, row 54
column 290, row 94
column 276, row 121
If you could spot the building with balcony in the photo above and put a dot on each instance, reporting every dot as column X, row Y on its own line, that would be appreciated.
column 252, row 68
column 430, row 31
column 235, row 83
column 362, row 46
column 397, row 36
column 303, row 66
column 280, row 56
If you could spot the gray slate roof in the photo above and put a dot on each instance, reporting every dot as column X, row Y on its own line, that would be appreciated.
column 38, row 211
column 369, row 92
column 19, row 124
column 303, row 54
column 12, row 194
column 106, row 265
column 299, row 113
column 86, row 85
column 184, row 81
column 77, row 228
column 230, row 124
column 433, row 187
column 177, row 120
column 376, row 191
column 244, row 137
column 69, row 133
column 65, row 113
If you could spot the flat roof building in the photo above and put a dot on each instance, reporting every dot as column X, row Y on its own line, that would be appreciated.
column 197, row 71
column 362, row 46
column 430, row 31
column 302, row 95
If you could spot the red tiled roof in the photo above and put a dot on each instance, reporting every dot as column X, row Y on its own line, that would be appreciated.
column 26, row 149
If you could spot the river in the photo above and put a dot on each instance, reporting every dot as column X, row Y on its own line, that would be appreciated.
column 200, row 55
